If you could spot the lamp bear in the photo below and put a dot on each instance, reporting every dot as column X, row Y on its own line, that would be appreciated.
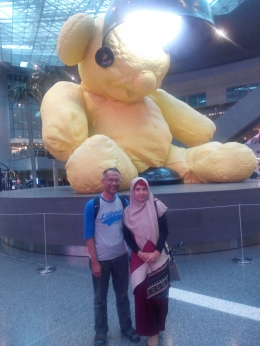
column 119, row 117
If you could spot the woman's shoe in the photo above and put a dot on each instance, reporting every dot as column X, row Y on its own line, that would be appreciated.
column 153, row 340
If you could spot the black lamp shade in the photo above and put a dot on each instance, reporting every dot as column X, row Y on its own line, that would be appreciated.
column 120, row 9
column 197, row 25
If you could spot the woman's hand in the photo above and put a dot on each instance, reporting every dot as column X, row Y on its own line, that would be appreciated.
column 142, row 255
column 153, row 256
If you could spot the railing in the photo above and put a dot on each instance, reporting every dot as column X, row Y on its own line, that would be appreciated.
column 21, row 155
column 61, row 226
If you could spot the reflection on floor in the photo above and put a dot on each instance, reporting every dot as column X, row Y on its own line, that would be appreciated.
column 215, row 304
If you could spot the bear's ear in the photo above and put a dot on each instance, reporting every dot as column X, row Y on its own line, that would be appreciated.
column 74, row 38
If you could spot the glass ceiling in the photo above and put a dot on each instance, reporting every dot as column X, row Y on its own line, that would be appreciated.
column 224, row 6
column 29, row 28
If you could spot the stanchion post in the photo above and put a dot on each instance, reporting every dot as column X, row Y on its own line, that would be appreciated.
column 242, row 260
column 46, row 269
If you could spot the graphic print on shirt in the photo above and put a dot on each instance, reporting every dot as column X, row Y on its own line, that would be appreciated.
column 111, row 218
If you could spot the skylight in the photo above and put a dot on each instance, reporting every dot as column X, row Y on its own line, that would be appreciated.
column 6, row 12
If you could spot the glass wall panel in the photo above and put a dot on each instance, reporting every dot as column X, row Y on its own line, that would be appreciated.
column 182, row 98
column 18, row 133
column 197, row 100
column 37, row 134
column 253, row 86
column 18, row 120
column 236, row 93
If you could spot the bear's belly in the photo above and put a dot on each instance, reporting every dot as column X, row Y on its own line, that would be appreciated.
column 139, row 129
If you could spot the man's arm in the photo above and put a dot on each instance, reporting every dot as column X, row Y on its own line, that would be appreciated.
column 89, row 229
column 96, row 267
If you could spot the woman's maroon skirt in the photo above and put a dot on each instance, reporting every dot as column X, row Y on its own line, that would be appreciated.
column 150, row 314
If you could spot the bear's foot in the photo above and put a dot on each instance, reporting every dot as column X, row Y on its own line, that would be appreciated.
column 213, row 162
column 86, row 165
column 222, row 163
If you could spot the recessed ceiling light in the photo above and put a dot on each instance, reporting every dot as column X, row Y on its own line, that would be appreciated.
column 16, row 46
column 24, row 64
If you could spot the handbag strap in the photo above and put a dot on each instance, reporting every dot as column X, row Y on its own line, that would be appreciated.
column 155, row 206
column 166, row 248
column 176, row 248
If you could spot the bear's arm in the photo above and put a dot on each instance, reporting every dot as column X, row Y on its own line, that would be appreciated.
column 64, row 119
column 185, row 123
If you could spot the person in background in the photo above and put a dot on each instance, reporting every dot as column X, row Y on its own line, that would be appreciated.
column 18, row 185
column 145, row 231
column 108, row 257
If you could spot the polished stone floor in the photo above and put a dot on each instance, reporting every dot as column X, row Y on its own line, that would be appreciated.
column 217, row 302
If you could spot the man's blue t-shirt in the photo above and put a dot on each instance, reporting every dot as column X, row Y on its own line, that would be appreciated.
column 106, row 229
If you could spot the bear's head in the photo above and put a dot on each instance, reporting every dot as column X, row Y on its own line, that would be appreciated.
column 138, row 68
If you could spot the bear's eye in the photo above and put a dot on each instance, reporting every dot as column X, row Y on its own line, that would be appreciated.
column 104, row 57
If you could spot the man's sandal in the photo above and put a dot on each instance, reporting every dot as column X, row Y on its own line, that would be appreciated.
column 100, row 340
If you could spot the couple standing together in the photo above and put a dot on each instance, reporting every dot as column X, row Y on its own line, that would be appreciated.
column 143, row 226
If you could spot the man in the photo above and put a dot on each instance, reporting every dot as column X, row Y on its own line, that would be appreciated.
column 108, row 256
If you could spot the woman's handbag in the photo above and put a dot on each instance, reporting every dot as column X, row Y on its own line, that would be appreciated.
column 174, row 274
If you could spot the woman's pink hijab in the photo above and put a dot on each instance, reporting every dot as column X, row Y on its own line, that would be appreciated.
column 141, row 217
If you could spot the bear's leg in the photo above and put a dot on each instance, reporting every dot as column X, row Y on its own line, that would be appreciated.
column 212, row 162
column 86, row 165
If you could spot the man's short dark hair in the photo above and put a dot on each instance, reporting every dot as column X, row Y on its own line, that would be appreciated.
column 114, row 169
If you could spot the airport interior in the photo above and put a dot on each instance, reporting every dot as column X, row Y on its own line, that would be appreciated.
column 46, row 293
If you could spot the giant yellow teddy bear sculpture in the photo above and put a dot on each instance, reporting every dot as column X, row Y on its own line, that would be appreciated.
column 118, row 116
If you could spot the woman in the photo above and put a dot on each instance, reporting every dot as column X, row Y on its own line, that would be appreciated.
column 145, row 231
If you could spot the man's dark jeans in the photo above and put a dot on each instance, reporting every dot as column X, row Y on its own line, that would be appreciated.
column 119, row 271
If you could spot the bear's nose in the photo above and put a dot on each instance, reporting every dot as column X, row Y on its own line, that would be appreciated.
column 145, row 83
